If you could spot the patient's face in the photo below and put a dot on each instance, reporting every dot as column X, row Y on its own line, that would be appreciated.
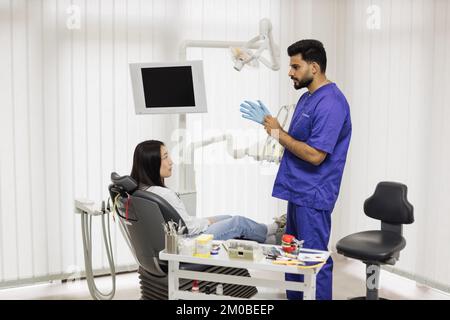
column 166, row 163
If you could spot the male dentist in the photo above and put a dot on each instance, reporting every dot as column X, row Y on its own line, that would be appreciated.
column 316, row 145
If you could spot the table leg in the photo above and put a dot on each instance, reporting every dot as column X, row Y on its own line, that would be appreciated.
column 310, row 290
column 173, row 280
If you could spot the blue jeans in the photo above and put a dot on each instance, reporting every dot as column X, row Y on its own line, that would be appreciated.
column 231, row 227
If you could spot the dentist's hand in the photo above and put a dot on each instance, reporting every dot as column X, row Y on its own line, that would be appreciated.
column 254, row 111
column 272, row 126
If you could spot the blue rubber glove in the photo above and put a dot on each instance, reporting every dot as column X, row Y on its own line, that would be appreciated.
column 254, row 111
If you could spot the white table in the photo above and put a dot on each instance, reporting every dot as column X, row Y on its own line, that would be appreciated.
column 175, row 273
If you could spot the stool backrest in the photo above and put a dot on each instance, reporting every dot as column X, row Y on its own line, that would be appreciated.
column 389, row 204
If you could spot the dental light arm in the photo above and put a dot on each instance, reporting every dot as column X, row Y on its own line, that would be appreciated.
column 245, row 55
column 270, row 150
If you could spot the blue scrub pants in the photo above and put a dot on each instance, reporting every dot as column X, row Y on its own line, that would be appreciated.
column 314, row 227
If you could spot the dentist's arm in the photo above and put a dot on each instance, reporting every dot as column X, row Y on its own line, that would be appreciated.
column 298, row 148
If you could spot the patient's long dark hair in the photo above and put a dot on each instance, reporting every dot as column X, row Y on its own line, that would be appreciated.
column 147, row 164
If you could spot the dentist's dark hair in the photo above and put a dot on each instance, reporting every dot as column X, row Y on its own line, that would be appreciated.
column 147, row 164
column 311, row 51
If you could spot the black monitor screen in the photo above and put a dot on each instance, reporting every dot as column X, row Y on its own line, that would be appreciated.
column 168, row 87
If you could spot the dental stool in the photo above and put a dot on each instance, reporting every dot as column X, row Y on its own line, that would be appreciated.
column 140, row 215
column 390, row 205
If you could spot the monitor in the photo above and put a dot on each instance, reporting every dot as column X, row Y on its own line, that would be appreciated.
column 168, row 87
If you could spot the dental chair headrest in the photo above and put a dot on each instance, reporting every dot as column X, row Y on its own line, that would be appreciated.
column 126, row 183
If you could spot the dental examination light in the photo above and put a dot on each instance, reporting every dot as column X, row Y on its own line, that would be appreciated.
column 264, row 41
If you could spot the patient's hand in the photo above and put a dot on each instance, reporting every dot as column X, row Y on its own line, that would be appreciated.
column 217, row 218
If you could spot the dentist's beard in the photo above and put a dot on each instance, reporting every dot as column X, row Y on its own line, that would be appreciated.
column 303, row 83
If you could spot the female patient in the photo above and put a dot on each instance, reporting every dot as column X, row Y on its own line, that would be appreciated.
column 152, row 164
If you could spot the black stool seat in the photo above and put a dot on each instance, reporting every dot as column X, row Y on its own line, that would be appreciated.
column 390, row 205
column 371, row 245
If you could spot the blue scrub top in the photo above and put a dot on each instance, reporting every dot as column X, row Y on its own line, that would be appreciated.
column 321, row 120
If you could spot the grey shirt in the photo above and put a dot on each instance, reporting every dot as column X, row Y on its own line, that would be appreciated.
column 193, row 224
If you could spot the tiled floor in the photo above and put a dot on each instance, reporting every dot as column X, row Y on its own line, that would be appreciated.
column 349, row 279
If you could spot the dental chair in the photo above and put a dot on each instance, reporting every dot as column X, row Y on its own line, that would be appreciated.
column 141, row 215
column 390, row 205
